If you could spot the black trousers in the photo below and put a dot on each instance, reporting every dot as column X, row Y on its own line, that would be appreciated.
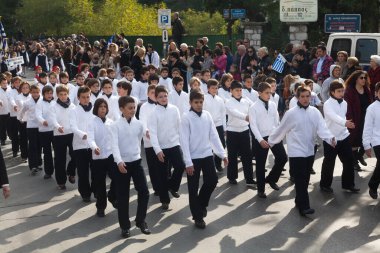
column 217, row 160
column 100, row 169
column 34, row 148
column 60, row 144
column 280, row 160
column 153, row 167
column 344, row 152
column 3, row 126
column 174, row 157
column 46, row 140
column 13, row 133
column 122, row 183
column 238, row 143
column 375, row 178
column 301, row 170
column 83, row 162
column 199, row 200
column 23, row 139
column 253, row 143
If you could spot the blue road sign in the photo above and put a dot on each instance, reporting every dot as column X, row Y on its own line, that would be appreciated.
column 238, row 13
column 342, row 23
column 226, row 13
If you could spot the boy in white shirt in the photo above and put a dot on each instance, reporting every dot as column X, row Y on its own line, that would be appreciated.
column 178, row 97
column 94, row 86
column 20, row 100
column 112, row 100
column 165, row 80
column 63, row 138
column 263, row 119
column 198, row 147
column 43, row 80
column 44, row 115
column 142, row 86
column 335, row 109
column 206, row 75
column 300, row 124
column 111, row 75
column 215, row 106
column 238, row 139
column 371, row 138
column 80, row 118
column 13, row 108
column 127, row 133
column 274, row 97
column 164, row 126
column 4, row 108
column 248, row 91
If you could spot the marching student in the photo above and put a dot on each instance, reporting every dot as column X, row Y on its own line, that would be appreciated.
column 165, row 80
column 238, row 139
column 263, row 119
column 198, row 147
column 124, row 88
column 100, row 141
column 43, row 80
column 153, row 79
column 12, row 127
column 127, row 133
column 206, row 75
column 275, row 97
column 112, row 100
column 335, row 109
column 293, row 102
column 146, row 111
column 142, row 86
column 80, row 118
column 73, row 90
column 29, row 112
column 300, row 125
column 21, row 98
column 215, row 106
column 130, row 77
column 111, row 74
column 45, row 118
column 178, row 97
column 248, row 91
column 195, row 84
column 164, row 126
column 53, row 81
column 371, row 138
column 37, row 71
column 4, row 108
column 224, row 90
column 94, row 86
column 63, row 138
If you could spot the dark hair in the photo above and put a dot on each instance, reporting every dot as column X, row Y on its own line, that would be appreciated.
column 224, row 78
column 47, row 88
column 61, row 88
column 351, row 80
column 377, row 87
column 297, row 85
column 196, row 94
column 97, row 104
column 236, row 85
column 177, row 79
column 174, row 54
column 205, row 71
column 301, row 52
column 106, row 81
column 124, row 69
column 196, row 71
column 144, row 70
column 201, row 41
column 323, row 47
column 263, row 86
column 212, row 82
column 63, row 75
column 125, row 85
column 270, row 80
column 160, row 89
column 42, row 75
column 306, row 43
column 153, row 77
column 52, row 74
column 110, row 70
column 83, row 89
column 123, row 101
column 176, row 70
column 334, row 85
column 247, row 76
column 92, row 81
column 302, row 88
column 208, row 51
column 218, row 51
column 83, row 66
column 151, row 87
column 34, row 87
column 164, row 69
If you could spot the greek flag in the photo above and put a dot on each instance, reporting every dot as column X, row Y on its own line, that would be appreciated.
column 279, row 63
column 110, row 40
column 3, row 40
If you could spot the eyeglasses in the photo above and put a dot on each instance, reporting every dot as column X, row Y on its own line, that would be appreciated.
column 363, row 77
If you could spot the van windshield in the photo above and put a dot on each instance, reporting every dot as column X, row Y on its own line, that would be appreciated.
column 365, row 48
column 340, row 45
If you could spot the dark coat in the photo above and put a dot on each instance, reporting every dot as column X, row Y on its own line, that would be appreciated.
column 125, row 57
column 3, row 171
column 137, row 64
column 374, row 76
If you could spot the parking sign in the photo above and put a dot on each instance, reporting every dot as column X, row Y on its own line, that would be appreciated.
column 164, row 18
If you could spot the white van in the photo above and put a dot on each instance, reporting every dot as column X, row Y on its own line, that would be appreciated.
column 360, row 45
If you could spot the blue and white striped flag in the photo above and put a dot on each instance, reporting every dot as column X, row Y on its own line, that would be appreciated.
column 279, row 63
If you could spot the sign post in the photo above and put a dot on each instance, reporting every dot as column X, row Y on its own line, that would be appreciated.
column 342, row 23
column 164, row 23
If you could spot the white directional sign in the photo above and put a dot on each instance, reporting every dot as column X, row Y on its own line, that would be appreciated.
column 165, row 36
column 164, row 18
column 298, row 10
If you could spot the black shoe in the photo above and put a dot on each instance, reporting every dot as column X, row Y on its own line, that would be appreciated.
column 274, row 186
column 357, row 167
column 362, row 161
column 352, row 189
column 204, row 212
column 312, row 171
column 307, row 211
column 14, row 154
column 232, row 181
column 373, row 193
column 326, row 189
column 86, row 199
column 174, row 194
column 46, row 176
column 165, row 206
column 251, row 183
column 100, row 213
column 144, row 228
column 125, row 233
column 262, row 195
column 62, row 187
column 72, row 179
column 200, row 224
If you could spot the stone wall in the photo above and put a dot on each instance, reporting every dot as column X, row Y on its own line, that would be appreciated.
column 297, row 33
column 253, row 31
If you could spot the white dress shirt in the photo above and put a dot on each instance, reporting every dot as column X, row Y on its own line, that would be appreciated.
column 79, row 123
column 216, row 107
column 251, row 95
column 99, row 136
column 61, row 118
column 181, row 101
column 371, row 132
column 263, row 121
column 45, row 112
column 146, row 111
column 335, row 117
column 237, row 111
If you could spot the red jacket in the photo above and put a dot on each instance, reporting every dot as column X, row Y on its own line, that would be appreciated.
column 355, row 113
column 325, row 72
column 374, row 76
